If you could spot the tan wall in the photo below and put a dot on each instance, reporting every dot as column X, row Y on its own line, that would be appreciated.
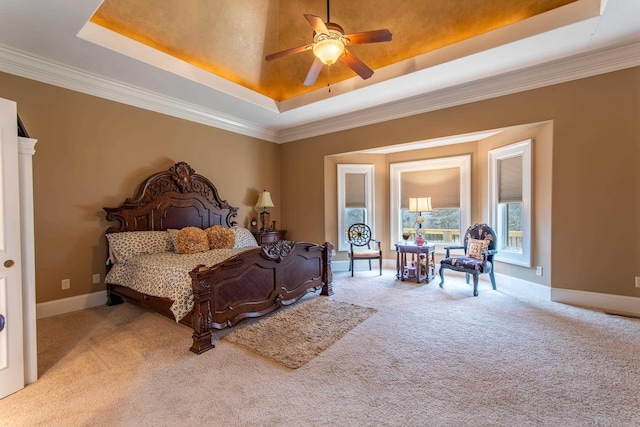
column 381, row 190
column 542, row 146
column 92, row 153
column 594, row 154
column 542, row 136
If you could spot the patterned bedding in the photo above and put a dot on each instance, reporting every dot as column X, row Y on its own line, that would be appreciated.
column 166, row 274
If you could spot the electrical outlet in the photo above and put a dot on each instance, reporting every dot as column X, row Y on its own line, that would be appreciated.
column 66, row 283
column 96, row 278
column 637, row 282
column 538, row 271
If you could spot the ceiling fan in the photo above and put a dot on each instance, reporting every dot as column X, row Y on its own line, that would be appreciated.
column 330, row 45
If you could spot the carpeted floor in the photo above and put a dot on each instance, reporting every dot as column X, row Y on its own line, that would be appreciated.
column 428, row 357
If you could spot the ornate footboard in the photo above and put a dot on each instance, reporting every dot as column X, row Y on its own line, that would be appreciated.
column 254, row 283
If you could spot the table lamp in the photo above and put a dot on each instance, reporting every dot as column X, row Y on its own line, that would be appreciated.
column 264, row 202
column 420, row 204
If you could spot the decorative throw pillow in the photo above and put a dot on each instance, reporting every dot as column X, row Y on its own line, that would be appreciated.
column 220, row 237
column 244, row 238
column 475, row 248
column 126, row 245
column 191, row 240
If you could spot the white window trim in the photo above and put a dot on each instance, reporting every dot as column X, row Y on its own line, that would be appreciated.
column 523, row 149
column 396, row 171
column 367, row 171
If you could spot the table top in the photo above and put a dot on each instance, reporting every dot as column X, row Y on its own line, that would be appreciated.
column 401, row 247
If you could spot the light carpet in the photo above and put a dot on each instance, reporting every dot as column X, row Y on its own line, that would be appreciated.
column 428, row 357
column 296, row 334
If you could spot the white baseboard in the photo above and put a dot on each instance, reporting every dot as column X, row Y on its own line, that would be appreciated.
column 66, row 305
column 522, row 287
column 606, row 302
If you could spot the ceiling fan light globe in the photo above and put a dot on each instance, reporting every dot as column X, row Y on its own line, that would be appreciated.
column 328, row 50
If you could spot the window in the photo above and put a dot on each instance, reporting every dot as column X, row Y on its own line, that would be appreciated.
column 355, row 199
column 448, row 182
column 510, row 201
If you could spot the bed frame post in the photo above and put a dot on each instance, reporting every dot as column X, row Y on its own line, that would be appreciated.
column 327, row 276
column 113, row 299
column 201, row 314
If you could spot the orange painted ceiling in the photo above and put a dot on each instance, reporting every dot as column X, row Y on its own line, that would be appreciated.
column 230, row 38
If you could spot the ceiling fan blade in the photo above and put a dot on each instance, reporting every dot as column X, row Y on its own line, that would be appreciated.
column 313, row 73
column 287, row 52
column 317, row 23
column 374, row 36
column 356, row 65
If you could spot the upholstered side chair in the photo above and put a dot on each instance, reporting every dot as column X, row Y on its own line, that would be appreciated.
column 479, row 249
column 362, row 245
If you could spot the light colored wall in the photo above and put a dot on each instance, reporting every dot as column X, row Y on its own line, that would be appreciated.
column 380, row 187
column 594, row 226
column 542, row 136
column 92, row 153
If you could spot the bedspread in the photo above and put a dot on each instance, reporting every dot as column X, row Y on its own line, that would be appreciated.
column 166, row 275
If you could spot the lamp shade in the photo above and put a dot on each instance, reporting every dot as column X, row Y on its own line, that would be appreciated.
column 264, row 200
column 328, row 50
column 420, row 204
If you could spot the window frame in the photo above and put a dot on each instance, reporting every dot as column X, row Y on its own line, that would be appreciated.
column 368, row 171
column 396, row 169
column 524, row 149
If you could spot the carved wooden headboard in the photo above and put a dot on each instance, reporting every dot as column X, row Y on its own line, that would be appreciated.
column 175, row 198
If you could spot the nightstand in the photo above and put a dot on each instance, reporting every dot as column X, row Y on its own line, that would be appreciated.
column 269, row 236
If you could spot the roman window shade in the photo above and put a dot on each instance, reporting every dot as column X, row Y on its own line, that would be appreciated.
column 510, row 171
column 442, row 185
column 355, row 196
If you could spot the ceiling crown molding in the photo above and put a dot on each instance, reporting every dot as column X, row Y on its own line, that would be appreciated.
column 42, row 70
column 554, row 72
column 550, row 73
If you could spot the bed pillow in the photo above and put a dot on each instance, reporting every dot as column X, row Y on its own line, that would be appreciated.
column 191, row 240
column 173, row 236
column 244, row 238
column 220, row 237
column 475, row 248
column 126, row 245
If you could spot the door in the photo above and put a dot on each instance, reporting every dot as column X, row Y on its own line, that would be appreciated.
column 11, row 331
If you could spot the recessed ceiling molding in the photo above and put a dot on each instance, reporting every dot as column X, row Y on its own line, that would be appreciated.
column 558, row 20
column 39, row 69
column 555, row 72
column 116, row 42
column 559, row 71
column 434, row 142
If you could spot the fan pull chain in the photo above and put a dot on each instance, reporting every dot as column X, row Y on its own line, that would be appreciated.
column 329, row 77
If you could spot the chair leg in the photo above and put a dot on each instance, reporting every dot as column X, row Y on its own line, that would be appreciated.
column 466, row 275
column 351, row 266
column 493, row 280
column 441, row 277
column 475, row 285
column 369, row 265
column 380, row 266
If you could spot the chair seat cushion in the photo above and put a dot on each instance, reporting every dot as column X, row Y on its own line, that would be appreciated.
column 466, row 263
column 364, row 253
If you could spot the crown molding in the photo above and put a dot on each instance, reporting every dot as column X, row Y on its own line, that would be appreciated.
column 559, row 71
column 547, row 74
column 42, row 70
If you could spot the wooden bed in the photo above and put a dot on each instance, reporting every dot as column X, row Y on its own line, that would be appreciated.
column 250, row 284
